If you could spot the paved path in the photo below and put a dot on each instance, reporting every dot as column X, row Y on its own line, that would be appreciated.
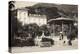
column 58, row 46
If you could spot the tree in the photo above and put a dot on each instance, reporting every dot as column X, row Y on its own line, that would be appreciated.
column 46, row 30
column 51, row 12
column 32, row 29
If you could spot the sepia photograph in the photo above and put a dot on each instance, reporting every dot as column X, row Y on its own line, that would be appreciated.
column 37, row 26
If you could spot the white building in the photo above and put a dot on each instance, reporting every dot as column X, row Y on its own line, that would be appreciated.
column 22, row 15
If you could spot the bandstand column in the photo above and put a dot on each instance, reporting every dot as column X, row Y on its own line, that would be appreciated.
column 53, row 29
column 70, row 27
column 62, row 26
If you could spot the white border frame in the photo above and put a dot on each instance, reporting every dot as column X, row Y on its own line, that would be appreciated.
column 4, row 26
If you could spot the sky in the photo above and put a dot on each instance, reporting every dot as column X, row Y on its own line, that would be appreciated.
column 20, row 4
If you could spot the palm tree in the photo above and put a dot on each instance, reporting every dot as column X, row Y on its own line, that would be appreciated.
column 11, row 37
column 12, row 20
column 11, row 5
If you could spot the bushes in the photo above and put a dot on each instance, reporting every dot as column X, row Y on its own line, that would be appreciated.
column 21, row 43
column 29, row 42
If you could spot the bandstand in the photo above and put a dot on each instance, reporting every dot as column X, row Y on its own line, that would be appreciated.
column 61, row 24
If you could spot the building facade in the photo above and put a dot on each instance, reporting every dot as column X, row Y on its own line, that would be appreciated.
column 26, row 18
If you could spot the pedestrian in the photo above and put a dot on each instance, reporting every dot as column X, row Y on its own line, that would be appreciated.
column 61, row 36
column 70, row 37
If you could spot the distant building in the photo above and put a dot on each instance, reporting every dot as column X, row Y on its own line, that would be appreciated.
column 26, row 17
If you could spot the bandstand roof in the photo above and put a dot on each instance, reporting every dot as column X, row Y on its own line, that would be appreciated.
column 61, row 19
